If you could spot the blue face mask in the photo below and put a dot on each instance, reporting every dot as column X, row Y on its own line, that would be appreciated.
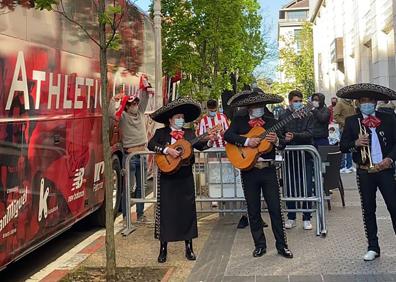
column 257, row 112
column 367, row 108
column 297, row 106
column 179, row 123
column 212, row 114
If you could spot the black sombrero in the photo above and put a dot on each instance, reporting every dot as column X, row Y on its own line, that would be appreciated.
column 357, row 91
column 253, row 97
column 187, row 106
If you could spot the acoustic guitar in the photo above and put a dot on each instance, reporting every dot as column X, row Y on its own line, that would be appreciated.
column 168, row 165
column 244, row 158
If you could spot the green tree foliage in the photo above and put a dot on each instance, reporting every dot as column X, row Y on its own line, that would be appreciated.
column 298, row 66
column 208, row 40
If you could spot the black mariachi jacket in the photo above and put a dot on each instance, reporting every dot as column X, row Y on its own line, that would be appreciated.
column 386, row 134
column 240, row 126
column 162, row 138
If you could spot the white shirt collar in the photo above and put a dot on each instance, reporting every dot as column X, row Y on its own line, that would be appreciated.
column 365, row 116
column 174, row 129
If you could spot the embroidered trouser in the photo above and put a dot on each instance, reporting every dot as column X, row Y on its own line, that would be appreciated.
column 368, row 184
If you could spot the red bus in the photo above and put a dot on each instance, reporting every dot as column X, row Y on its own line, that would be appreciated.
column 51, row 157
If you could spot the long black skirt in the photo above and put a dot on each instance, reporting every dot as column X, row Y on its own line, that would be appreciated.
column 176, row 215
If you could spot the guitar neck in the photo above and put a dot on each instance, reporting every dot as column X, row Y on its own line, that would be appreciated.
column 277, row 126
column 198, row 139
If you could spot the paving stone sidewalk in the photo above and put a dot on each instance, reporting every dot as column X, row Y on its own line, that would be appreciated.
column 226, row 255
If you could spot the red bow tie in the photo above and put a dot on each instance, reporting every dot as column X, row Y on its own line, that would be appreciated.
column 371, row 122
column 256, row 122
column 177, row 134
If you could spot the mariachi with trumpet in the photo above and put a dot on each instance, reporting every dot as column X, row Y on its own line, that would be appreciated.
column 371, row 137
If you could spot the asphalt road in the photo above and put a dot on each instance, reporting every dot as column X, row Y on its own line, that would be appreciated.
column 24, row 268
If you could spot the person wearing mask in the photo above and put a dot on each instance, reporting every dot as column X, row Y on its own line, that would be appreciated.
column 334, row 101
column 321, row 116
column 298, row 132
column 262, row 178
column 212, row 119
column 175, row 215
column 380, row 139
column 130, row 115
column 344, row 108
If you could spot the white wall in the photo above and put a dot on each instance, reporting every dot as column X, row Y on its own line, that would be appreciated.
column 367, row 29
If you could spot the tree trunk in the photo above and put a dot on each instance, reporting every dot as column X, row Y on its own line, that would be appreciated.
column 108, row 173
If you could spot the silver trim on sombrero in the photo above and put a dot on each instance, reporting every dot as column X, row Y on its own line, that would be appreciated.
column 357, row 91
column 176, row 103
column 252, row 98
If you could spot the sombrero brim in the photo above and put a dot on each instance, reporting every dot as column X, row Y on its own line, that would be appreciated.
column 188, row 107
column 251, row 98
column 369, row 90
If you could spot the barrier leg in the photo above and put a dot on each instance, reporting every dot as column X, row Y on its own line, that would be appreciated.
column 127, row 198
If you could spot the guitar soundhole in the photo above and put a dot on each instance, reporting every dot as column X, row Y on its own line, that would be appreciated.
column 241, row 151
column 180, row 150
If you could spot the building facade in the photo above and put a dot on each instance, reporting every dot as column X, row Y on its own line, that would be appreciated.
column 354, row 42
column 291, row 20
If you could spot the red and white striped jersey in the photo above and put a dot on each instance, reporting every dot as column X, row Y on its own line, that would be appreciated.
column 210, row 122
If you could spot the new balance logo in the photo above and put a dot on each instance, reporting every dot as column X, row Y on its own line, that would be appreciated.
column 78, row 178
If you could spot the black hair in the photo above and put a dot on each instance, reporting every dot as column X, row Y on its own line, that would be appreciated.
column 295, row 93
column 211, row 104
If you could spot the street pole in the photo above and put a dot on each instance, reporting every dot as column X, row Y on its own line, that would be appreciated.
column 158, row 53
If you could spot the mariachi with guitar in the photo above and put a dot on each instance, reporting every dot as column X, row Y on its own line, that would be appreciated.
column 251, row 141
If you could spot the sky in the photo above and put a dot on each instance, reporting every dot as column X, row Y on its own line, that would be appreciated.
column 269, row 11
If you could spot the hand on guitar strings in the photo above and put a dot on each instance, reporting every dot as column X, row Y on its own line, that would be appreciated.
column 173, row 153
column 289, row 136
column 271, row 137
column 254, row 142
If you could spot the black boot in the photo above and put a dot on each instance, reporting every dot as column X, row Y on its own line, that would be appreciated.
column 189, row 250
column 163, row 252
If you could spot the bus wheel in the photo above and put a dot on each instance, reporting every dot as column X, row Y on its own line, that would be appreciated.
column 100, row 214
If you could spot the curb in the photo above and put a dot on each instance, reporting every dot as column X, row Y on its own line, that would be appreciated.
column 77, row 259
column 168, row 274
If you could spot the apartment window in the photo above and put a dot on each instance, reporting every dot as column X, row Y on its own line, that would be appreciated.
column 297, row 15
column 297, row 39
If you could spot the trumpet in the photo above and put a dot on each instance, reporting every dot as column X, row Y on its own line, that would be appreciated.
column 365, row 150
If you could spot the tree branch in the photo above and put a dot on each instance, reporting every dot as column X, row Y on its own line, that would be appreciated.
column 63, row 13
column 114, row 27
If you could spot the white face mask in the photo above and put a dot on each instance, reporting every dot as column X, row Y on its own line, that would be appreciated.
column 315, row 104
column 133, row 110
column 257, row 112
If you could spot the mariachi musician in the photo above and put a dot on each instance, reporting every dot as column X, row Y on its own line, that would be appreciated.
column 176, row 218
column 262, row 177
column 371, row 137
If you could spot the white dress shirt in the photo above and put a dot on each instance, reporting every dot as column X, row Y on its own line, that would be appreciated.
column 376, row 151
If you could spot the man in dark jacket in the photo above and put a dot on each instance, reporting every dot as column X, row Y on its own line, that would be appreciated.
column 374, row 132
column 298, row 132
column 321, row 116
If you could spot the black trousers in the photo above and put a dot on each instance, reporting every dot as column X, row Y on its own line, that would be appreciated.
column 368, row 184
column 254, row 182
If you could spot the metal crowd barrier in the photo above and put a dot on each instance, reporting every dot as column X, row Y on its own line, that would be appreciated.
column 302, row 183
column 216, row 180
